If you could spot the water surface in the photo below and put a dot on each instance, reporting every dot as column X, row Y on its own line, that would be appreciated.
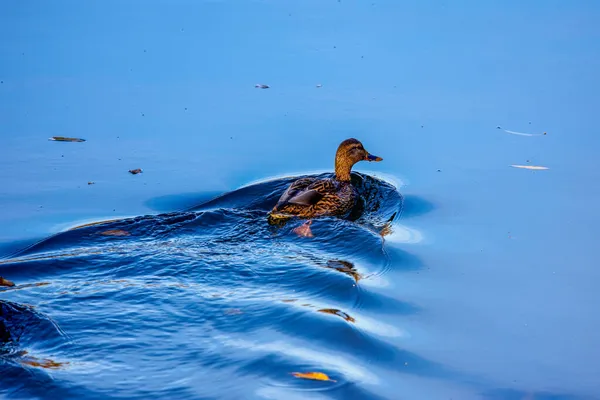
column 482, row 286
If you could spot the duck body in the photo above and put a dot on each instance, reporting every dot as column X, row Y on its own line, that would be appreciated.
column 313, row 197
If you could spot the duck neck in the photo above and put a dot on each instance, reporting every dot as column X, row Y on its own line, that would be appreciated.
column 342, row 170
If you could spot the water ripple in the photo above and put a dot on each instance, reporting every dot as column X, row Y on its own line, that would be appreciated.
column 214, row 300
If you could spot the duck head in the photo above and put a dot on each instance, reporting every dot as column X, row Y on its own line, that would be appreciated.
column 349, row 152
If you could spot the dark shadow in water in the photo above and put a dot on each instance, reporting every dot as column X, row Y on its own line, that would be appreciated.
column 182, row 201
column 10, row 249
column 35, row 383
column 415, row 206
column 23, row 325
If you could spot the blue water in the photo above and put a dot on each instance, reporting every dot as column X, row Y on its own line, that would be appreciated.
column 462, row 277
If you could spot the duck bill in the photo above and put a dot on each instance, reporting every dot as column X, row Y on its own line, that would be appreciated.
column 371, row 157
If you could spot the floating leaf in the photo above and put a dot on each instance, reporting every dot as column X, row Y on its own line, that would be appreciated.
column 115, row 232
column 318, row 376
column 6, row 282
column 66, row 139
column 135, row 171
column 534, row 167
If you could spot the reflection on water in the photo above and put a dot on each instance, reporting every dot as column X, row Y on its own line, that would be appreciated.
column 205, row 301
column 345, row 267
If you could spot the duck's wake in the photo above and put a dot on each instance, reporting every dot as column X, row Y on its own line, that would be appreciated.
column 140, row 288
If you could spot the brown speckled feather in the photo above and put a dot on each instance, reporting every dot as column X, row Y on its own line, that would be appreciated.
column 309, row 197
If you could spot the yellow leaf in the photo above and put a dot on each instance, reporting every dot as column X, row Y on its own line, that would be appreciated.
column 318, row 376
column 535, row 167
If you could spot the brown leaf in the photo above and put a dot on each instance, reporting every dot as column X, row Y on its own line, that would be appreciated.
column 6, row 282
column 135, row 171
column 318, row 376
column 115, row 232
column 66, row 139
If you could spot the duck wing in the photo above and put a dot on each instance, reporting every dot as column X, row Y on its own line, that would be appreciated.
column 306, row 192
column 295, row 189
column 313, row 193
column 306, row 198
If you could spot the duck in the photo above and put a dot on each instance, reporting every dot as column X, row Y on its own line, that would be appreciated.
column 311, row 197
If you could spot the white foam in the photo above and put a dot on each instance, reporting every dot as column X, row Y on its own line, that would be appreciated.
column 403, row 234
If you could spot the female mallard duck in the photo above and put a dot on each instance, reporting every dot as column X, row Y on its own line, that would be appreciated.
column 312, row 197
